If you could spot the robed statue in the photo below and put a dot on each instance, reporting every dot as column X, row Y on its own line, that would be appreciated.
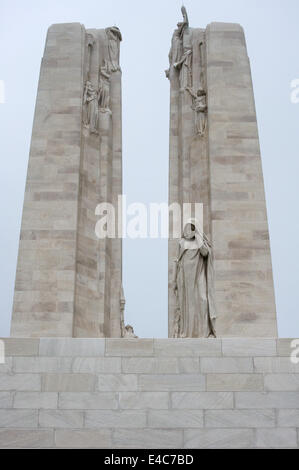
column 194, row 285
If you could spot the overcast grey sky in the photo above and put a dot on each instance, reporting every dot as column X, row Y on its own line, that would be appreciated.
column 272, row 34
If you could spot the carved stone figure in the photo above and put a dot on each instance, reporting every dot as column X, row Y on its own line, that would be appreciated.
column 129, row 332
column 177, row 52
column 194, row 285
column 200, row 108
column 104, row 88
column 184, row 66
column 90, row 43
column 90, row 108
column 114, row 37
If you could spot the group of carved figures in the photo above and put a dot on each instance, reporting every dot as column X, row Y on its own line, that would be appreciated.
column 180, row 62
column 97, row 99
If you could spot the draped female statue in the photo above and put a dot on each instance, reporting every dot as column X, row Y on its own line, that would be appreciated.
column 194, row 285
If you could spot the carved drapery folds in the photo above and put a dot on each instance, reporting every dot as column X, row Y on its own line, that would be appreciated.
column 96, row 97
column 114, row 37
column 90, row 108
column 200, row 109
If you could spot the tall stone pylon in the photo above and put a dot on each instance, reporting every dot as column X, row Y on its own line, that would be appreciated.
column 68, row 281
column 215, row 160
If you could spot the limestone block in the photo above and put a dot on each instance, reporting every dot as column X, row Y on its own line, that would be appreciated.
column 7, row 367
column 97, row 365
column 18, row 418
column 175, row 419
column 235, row 382
column 60, row 419
column 87, row 401
column 202, row 400
column 115, row 419
column 219, row 438
column 287, row 400
column 117, row 383
column 35, row 400
column 288, row 418
column 72, row 347
column 42, row 364
column 21, row 346
column 129, row 347
column 26, row 438
column 276, row 438
column 242, row 418
column 187, row 347
column 150, row 365
column 6, row 400
column 181, row 382
column 275, row 365
column 284, row 347
column 83, row 439
column 225, row 365
column 23, row 382
column 282, row 382
column 143, row 400
column 248, row 347
column 147, row 439
column 68, row 382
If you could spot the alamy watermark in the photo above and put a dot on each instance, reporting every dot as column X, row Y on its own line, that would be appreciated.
column 138, row 220
column 2, row 92
column 295, row 352
column 295, row 91
column 2, row 352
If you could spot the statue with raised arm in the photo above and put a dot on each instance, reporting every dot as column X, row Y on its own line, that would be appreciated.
column 176, row 54
column 114, row 37
column 200, row 108
column 194, row 285
column 90, row 108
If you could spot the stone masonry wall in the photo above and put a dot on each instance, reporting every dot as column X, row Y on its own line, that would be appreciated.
column 116, row 393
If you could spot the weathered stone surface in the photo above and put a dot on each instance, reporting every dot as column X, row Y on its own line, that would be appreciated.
column 143, row 400
column 68, row 382
column 117, row 383
column 21, row 347
column 60, row 419
column 72, row 347
column 26, row 438
column 147, row 439
column 202, row 400
column 87, row 401
column 234, row 382
column 276, row 438
column 182, row 382
column 24, row 382
column 115, row 419
column 226, row 365
column 83, row 439
column 175, row 419
column 188, row 347
column 242, row 418
column 125, row 347
column 39, row 400
column 248, row 347
column 18, row 418
column 219, row 438
column 143, row 406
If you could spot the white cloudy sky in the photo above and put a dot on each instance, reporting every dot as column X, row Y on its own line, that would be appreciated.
column 272, row 34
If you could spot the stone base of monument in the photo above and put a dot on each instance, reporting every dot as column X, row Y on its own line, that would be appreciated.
column 145, row 393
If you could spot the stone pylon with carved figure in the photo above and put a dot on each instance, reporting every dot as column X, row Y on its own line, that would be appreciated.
column 215, row 160
column 69, row 282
